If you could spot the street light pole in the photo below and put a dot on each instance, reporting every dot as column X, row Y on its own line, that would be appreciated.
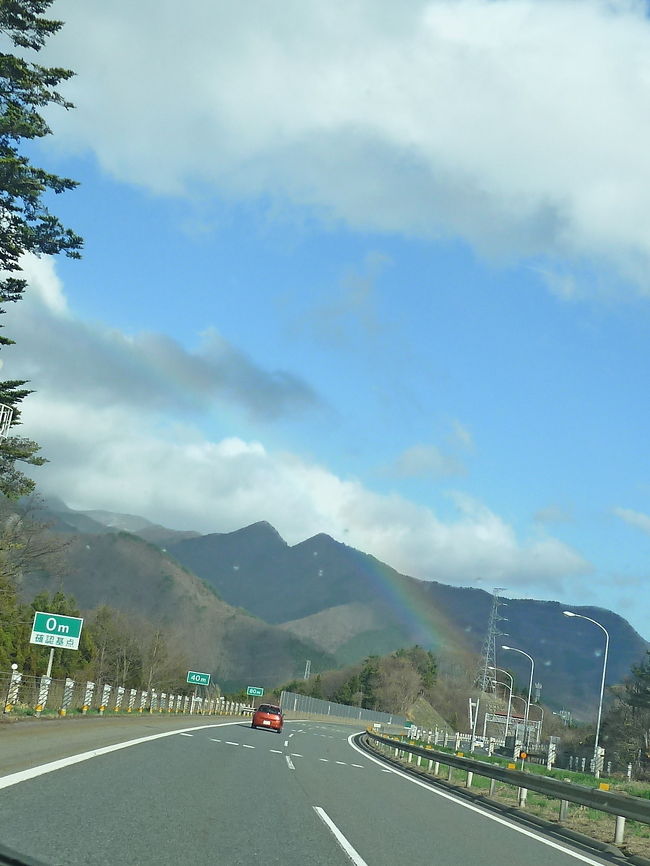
column 492, row 668
column 602, row 686
column 530, row 686
column 506, row 686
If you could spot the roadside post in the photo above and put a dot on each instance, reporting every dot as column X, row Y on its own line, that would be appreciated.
column 254, row 692
column 68, row 690
column 196, row 678
column 473, row 718
column 57, row 632
column 43, row 692
column 12, row 691
column 88, row 696
column 106, row 693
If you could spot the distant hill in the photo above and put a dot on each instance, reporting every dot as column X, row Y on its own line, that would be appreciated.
column 62, row 518
column 253, row 606
column 351, row 605
column 126, row 572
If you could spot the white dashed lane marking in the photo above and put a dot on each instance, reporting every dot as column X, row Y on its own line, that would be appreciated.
column 187, row 735
column 288, row 758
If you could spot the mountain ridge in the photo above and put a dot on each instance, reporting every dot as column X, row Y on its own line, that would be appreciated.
column 324, row 600
column 329, row 579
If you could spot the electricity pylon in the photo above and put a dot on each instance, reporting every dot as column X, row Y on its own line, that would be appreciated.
column 485, row 677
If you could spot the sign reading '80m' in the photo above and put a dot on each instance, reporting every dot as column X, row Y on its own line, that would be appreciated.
column 56, row 630
column 198, row 679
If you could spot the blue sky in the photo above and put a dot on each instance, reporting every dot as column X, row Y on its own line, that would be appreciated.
column 374, row 272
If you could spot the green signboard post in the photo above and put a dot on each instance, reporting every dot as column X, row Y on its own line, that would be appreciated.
column 198, row 679
column 255, row 691
column 56, row 631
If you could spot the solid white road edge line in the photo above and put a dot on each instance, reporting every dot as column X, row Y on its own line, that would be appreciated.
column 447, row 796
column 34, row 772
column 352, row 853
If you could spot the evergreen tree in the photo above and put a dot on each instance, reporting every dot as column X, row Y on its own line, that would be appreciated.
column 317, row 687
column 637, row 687
column 626, row 726
column 26, row 225
column 9, row 625
column 369, row 679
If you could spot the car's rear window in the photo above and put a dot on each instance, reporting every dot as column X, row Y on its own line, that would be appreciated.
column 267, row 708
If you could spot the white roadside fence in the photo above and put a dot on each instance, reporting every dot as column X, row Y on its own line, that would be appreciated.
column 25, row 694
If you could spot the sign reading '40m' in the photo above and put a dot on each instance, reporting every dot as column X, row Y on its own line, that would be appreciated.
column 198, row 678
column 56, row 630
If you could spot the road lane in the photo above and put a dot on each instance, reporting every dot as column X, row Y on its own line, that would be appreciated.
column 30, row 743
column 195, row 798
column 389, row 819
column 231, row 795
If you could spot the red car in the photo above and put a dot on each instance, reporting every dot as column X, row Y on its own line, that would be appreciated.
column 268, row 716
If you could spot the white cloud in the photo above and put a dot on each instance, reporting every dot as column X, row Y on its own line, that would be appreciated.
column 127, row 452
column 45, row 284
column 110, row 458
column 634, row 518
column 426, row 461
column 96, row 365
column 553, row 513
column 462, row 436
column 520, row 125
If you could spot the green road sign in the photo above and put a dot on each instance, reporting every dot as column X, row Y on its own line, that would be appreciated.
column 55, row 630
column 198, row 679
column 254, row 691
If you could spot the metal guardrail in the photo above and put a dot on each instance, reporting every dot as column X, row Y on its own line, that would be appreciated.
column 623, row 806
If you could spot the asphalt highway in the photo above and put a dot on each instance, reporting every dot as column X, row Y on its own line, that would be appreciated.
column 226, row 794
